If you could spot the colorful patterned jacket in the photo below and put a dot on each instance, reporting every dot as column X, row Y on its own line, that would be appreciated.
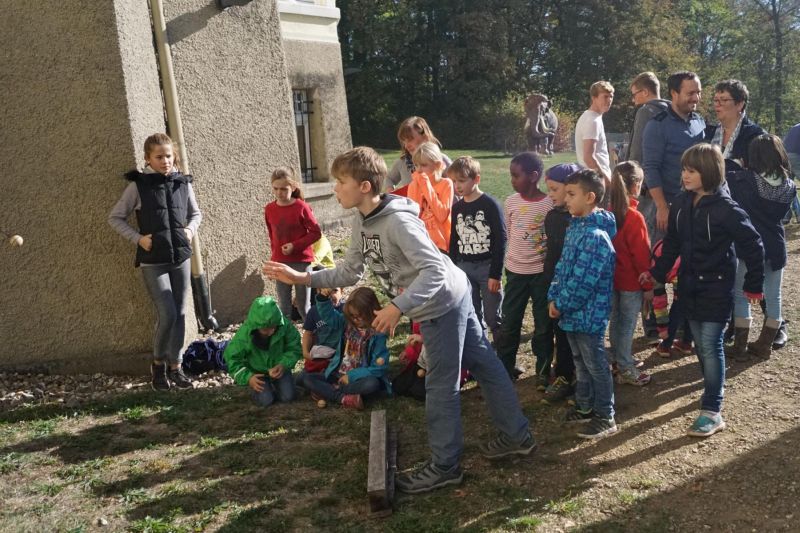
column 584, row 277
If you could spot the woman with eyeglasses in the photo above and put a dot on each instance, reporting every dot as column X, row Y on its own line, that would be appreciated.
column 734, row 131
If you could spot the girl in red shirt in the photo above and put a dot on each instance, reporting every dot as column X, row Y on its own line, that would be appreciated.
column 632, row 245
column 292, row 230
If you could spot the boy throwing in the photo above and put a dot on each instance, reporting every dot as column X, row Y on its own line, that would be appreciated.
column 425, row 285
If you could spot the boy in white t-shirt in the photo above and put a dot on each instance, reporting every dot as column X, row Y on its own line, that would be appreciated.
column 591, row 147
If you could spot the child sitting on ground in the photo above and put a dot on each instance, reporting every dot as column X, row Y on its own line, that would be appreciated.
column 580, row 295
column 411, row 381
column 478, row 241
column 433, row 193
column 320, row 341
column 555, row 227
column 359, row 365
column 263, row 353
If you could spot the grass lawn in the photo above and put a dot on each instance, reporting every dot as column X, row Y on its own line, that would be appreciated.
column 494, row 167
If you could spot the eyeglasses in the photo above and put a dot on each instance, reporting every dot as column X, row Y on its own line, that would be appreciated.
column 634, row 93
column 720, row 101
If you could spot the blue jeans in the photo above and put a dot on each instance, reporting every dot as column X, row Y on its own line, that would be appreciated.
column 594, row 387
column 281, row 390
column 168, row 287
column 772, row 293
column 625, row 309
column 709, row 345
column 451, row 341
column 283, row 292
column 325, row 388
column 487, row 304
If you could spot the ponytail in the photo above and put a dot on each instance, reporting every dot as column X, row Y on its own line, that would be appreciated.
column 286, row 173
column 626, row 175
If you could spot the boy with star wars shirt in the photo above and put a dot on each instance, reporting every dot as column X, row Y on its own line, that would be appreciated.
column 478, row 241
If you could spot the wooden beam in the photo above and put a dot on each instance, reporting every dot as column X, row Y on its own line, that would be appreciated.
column 382, row 465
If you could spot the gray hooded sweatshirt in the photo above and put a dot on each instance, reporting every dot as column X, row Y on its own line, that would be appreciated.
column 423, row 283
column 647, row 111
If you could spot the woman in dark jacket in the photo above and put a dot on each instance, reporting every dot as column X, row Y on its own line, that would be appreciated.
column 765, row 191
column 734, row 131
column 704, row 224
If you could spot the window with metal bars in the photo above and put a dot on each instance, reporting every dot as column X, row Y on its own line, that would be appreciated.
column 302, row 111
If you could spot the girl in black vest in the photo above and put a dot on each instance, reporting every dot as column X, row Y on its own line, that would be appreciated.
column 168, row 217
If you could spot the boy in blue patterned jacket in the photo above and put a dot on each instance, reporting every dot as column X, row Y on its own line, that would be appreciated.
column 580, row 297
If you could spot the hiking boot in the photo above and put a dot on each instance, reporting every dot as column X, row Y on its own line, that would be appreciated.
column 739, row 349
column 598, row 428
column 159, row 373
column 763, row 345
column 179, row 379
column 353, row 401
column 558, row 390
column 663, row 351
column 516, row 373
column 427, row 478
column 637, row 363
column 683, row 348
column 781, row 337
column 706, row 424
column 576, row 416
column 502, row 446
column 633, row 377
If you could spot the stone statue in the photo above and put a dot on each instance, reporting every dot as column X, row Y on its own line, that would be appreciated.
column 539, row 133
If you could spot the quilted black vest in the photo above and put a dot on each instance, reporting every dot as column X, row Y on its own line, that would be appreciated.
column 164, row 213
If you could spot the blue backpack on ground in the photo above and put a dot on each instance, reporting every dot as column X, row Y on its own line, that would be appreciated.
column 204, row 356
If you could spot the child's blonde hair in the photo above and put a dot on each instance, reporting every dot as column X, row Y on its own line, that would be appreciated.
column 625, row 176
column 362, row 302
column 427, row 153
column 286, row 173
column 413, row 125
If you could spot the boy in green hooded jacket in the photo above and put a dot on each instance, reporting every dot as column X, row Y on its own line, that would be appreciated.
column 263, row 353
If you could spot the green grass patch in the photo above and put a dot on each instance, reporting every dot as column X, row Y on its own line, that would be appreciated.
column 566, row 506
column 524, row 523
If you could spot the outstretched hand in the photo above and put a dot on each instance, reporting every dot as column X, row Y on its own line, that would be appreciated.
column 646, row 278
column 386, row 319
column 285, row 273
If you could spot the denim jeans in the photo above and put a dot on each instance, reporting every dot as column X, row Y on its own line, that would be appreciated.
column 487, row 304
column 565, row 363
column 326, row 388
column 281, row 390
column 594, row 388
column 520, row 289
column 709, row 345
column 772, row 293
column 451, row 341
column 625, row 309
column 647, row 207
column 168, row 287
column 303, row 294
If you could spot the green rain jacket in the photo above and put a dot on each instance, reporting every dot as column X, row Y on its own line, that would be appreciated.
column 244, row 359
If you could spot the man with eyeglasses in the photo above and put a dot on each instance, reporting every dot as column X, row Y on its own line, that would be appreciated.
column 666, row 136
column 646, row 94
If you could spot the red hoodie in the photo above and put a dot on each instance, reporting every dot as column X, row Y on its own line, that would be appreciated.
column 632, row 245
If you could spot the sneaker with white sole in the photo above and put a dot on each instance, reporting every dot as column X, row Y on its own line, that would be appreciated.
column 576, row 416
column 707, row 424
column 428, row 477
column 502, row 446
column 633, row 377
column 598, row 428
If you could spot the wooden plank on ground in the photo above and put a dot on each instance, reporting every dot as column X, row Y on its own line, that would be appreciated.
column 380, row 477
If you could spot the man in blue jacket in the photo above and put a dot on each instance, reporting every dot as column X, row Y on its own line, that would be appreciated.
column 666, row 136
